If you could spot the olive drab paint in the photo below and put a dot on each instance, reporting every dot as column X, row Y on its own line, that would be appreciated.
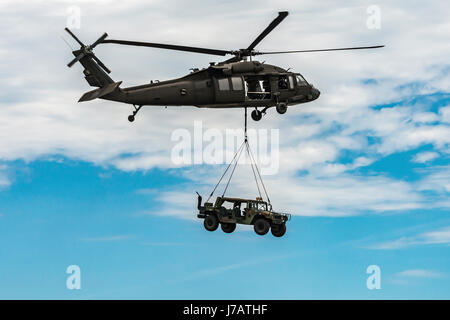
column 238, row 82
column 228, row 212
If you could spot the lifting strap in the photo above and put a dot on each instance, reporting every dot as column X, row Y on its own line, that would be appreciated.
column 259, row 174
column 235, row 160
column 228, row 167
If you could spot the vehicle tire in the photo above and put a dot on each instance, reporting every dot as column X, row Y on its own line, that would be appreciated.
column 256, row 115
column 131, row 118
column 281, row 108
column 261, row 226
column 228, row 227
column 278, row 230
column 211, row 222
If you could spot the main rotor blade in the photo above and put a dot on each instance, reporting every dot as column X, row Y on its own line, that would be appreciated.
column 170, row 47
column 317, row 50
column 74, row 36
column 270, row 27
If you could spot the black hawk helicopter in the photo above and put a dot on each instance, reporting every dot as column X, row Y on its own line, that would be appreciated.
column 237, row 82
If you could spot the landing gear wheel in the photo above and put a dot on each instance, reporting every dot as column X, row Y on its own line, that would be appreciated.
column 261, row 226
column 228, row 227
column 256, row 115
column 278, row 230
column 211, row 223
column 136, row 110
column 281, row 108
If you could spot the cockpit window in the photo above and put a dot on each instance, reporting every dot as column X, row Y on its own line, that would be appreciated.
column 301, row 81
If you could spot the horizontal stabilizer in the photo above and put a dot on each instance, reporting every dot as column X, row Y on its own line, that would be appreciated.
column 100, row 92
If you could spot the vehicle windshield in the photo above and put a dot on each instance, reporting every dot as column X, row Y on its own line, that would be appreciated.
column 300, row 80
column 227, row 204
column 262, row 206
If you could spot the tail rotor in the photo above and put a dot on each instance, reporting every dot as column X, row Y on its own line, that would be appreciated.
column 86, row 50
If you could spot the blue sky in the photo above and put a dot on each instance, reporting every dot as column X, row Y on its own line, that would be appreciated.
column 69, row 213
column 364, row 169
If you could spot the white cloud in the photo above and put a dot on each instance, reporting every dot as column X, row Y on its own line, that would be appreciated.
column 39, row 115
column 445, row 114
column 164, row 244
column 235, row 266
column 4, row 180
column 420, row 273
column 425, row 117
column 340, row 194
column 394, row 244
column 425, row 157
column 436, row 179
column 439, row 236
column 108, row 238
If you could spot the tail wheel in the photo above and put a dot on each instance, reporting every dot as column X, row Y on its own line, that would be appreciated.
column 211, row 222
column 278, row 230
column 261, row 226
column 228, row 227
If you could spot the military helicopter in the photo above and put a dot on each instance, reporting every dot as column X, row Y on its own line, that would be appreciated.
column 238, row 82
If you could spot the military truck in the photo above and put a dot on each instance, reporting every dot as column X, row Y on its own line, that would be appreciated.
column 230, row 211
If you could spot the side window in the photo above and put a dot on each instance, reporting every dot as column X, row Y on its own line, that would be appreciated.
column 291, row 82
column 237, row 83
column 224, row 85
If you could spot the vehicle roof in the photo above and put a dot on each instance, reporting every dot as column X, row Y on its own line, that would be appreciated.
column 241, row 200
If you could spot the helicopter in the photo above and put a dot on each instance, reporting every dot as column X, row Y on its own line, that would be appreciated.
column 238, row 82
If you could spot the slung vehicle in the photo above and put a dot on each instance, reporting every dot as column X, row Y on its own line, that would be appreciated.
column 231, row 211
column 237, row 82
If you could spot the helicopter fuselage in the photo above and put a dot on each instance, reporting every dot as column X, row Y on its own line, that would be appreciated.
column 233, row 85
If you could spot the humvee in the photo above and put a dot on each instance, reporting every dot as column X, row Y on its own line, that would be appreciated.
column 230, row 211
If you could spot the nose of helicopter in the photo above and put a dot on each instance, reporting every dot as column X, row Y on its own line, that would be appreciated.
column 314, row 93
